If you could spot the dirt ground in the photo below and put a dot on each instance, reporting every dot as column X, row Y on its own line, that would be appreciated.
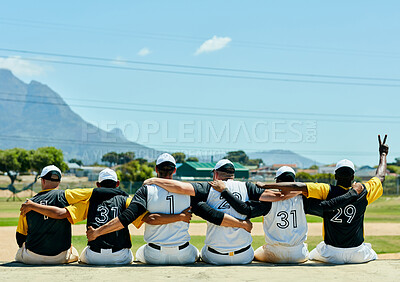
column 380, row 270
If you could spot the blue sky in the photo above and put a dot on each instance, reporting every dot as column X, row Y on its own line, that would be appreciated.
column 306, row 42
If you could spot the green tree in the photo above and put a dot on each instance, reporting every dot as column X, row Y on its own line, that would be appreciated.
column 134, row 172
column 237, row 156
column 313, row 167
column 126, row 157
column 111, row 158
column 304, row 176
column 256, row 162
column 179, row 157
column 76, row 161
column 14, row 161
column 45, row 156
column 192, row 159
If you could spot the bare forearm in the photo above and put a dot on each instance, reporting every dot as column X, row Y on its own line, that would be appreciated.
column 293, row 186
column 174, row 186
column 230, row 221
column 160, row 219
column 111, row 226
column 50, row 211
column 381, row 170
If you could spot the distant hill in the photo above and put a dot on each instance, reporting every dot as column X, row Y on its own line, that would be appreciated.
column 283, row 157
column 33, row 115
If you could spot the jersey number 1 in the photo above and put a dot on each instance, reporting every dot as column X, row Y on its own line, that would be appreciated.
column 170, row 198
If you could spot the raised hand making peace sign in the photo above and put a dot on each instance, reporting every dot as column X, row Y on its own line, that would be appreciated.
column 383, row 148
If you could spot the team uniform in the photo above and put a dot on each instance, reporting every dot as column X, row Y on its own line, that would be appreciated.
column 343, row 229
column 167, row 243
column 285, row 225
column 44, row 240
column 112, row 248
column 227, row 245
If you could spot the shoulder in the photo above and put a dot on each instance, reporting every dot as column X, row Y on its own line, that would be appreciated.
column 318, row 190
column 201, row 189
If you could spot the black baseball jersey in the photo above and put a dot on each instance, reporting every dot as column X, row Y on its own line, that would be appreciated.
column 99, row 213
column 47, row 236
column 311, row 206
column 344, row 227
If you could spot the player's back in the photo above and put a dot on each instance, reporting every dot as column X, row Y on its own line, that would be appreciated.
column 162, row 201
column 286, row 224
column 344, row 227
column 226, row 239
column 101, row 212
column 48, row 236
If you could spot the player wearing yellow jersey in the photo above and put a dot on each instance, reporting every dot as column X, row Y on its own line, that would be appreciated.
column 344, row 227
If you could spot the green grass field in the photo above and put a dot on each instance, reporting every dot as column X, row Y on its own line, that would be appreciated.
column 381, row 244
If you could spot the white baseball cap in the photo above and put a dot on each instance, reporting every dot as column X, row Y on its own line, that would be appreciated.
column 51, row 172
column 165, row 158
column 223, row 162
column 284, row 169
column 344, row 163
column 107, row 174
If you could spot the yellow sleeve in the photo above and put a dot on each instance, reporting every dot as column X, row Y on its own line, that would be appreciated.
column 78, row 211
column 374, row 188
column 78, row 195
column 318, row 191
column 138, row 221
column 22, row 225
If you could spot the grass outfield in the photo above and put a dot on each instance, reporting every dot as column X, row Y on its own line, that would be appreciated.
column 381, row 244
column 386, row 209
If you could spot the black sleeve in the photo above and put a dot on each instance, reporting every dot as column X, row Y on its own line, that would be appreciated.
column 318, row 207
column 136, row 208
column 104, row 194
column 203, row 210
column 201, row 190
column 254, row 191
column 20, row 239
column 240, row 206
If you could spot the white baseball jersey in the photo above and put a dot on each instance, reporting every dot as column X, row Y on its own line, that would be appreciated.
column 286, row 223
column 226, row 239
column 162, row 201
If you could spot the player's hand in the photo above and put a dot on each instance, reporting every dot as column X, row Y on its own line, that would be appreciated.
column 186, row 215
column 383, row 148
column 247, row 225
column 218, row 185
column 91, row 233
column 358, row 187
column 149, row 181
column 26, row 207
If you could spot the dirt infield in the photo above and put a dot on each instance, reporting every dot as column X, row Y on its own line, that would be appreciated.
column 384, row 270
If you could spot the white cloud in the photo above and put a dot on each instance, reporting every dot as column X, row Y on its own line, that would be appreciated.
column 20, row 66
column 119, row 61
column 144, row 52
column 213, row 44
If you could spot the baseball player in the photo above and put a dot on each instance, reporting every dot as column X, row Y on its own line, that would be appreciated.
column 344, row 227
column 167, row 240
column 44, row 240
column 284, row 222
column 105, row 204
column 223, row 245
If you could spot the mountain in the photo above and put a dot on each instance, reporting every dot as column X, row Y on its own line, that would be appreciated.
column 283, row 157
column 33, row 115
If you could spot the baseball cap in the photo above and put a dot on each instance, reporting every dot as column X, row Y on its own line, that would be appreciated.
column 165, row 158
column 51, row 172
column 223, row 165
column 284, row 169
column 344, row 163
column 107, row 174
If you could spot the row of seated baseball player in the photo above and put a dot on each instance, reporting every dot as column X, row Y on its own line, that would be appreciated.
column 166, row 207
